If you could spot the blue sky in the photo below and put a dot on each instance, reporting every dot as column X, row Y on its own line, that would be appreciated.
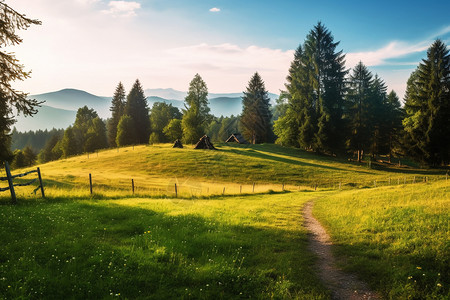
column 94, row 44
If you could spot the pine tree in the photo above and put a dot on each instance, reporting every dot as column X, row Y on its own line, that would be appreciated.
column 392, row 124
column 196, row 115
column 47, row 153
column 358, row 99
column 136, row 108
column 377, row 113
column 427, row 106
column 117, row 109
column 256, row 115
column 29, row 156
column 10, row 71
column 315, row 95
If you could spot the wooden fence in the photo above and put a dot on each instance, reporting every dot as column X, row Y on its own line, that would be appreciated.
column 11, row 186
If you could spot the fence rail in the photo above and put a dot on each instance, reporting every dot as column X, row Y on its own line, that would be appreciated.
column 11, row 184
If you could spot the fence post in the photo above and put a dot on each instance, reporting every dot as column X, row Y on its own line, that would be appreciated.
column 90, row 182
column 40, row 182
column 132, row 185
column 240, row 189
column 176, row 191
column 10, row 183
column 223, row 193
column 253, row 187
column 282, row 187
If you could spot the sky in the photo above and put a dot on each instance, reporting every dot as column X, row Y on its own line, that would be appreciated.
column 93, row 45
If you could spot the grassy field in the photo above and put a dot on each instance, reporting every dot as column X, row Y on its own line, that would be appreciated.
column 235, row 168
column 390, row 227
column 238, row 247
column 396, row 238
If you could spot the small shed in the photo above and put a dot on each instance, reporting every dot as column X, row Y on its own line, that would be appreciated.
column 204, row 143
column 236, row 138
column 177, row 144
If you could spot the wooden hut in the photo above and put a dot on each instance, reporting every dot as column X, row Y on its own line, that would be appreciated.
column 236, row 138
column 177, row 144
column 204, row 143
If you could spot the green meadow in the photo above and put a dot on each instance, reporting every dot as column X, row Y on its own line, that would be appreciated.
column 235, row 229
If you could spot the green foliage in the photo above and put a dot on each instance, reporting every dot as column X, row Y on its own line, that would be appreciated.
column 96, row 136
column 160, row 116
column 19, row 160
column 125, row 131
column 427, row 105
column 314, row 93
column 69, row 144
column 35, row 139
column 29, row 156
column 173, row 130
column 154, row 138
column 196, row 116
column 83, row 124
column 117, row 110
column 136, row 108
column 256, row 116
column 48, row 152
column 12, row 70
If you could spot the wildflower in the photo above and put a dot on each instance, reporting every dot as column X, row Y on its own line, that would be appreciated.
column 409, row 277
column 439, row 285
column 419, row 268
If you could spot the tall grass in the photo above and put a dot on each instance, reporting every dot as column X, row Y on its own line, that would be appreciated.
column 397, row 238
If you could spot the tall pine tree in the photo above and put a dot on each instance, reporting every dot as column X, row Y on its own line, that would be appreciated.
column 256, row 115
column 117, row 109
column 136, row 108
column 11, row 70
column 358, row 101
column 315, row 95
column 196, row 115
column 427, row 105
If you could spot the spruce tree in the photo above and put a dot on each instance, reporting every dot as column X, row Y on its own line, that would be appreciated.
column 136, row 108
column 11, row 70
column 117, row 110
column 392, row 124
column 315, row 95
column 83, row 122
column 358, row 101
column 427, row 106
column 256, row 115
column 196, row 115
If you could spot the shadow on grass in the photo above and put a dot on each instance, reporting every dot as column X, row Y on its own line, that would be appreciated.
column 91, row 250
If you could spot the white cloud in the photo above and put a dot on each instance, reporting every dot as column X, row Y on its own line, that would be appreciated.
column 382, row 55
column 122, row 8
column 214, row 9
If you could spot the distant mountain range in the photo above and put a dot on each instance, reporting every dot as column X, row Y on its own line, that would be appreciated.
column 60, row 107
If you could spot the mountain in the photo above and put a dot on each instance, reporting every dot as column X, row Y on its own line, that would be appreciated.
column 72, row 99
column 60, row 107
column 47, row 118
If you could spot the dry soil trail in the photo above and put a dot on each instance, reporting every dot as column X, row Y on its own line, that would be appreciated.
column 342, row 285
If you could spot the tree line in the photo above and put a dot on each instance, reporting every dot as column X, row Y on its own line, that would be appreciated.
column 324, row 108
column 328, row 109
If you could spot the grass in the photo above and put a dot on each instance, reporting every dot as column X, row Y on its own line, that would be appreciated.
column 396, row 238
column 231, row 232
column 158, row 249
column 156, row 169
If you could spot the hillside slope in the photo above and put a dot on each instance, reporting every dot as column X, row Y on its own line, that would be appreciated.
column 230, row 169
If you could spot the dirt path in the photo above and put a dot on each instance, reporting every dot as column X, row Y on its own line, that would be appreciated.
column 342, row 285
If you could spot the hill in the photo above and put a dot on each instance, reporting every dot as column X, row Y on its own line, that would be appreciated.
column 155, row 170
